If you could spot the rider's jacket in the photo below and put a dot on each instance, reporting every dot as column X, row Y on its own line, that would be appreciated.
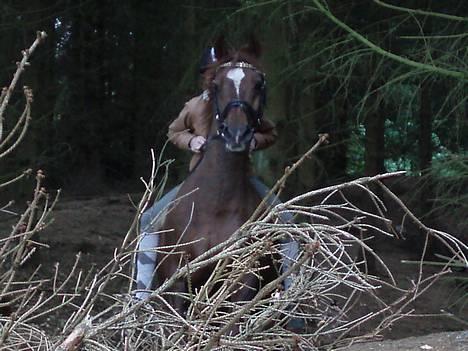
column 195, row 119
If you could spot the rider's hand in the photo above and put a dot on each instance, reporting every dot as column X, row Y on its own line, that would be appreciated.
column 253, row 144
column 197, row 143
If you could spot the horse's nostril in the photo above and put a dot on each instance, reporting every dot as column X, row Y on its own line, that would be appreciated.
column 241, row 134
column 248, row 132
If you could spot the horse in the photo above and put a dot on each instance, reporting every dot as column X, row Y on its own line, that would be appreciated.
column 217, row 197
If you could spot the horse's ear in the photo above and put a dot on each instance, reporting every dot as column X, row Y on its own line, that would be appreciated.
column 253, row 47
column 220, row 47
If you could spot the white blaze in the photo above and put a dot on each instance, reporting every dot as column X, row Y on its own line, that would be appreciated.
column 236, row 75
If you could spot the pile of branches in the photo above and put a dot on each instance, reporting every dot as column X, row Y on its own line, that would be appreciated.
column 328, row 283
column 329, row 279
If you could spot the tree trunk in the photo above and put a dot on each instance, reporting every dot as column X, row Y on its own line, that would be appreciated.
column 425, row 145
column 374, row 143
column 425, row 128
column 270, row 163
column 339, row 138
column 311, row 173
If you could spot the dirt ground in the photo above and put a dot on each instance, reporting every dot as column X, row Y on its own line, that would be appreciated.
column 95, row 226
column 447, row 341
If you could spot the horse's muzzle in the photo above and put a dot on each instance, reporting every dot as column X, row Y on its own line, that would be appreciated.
column 237, row 139
column 236, row 147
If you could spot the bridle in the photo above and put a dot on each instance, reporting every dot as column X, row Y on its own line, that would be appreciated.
column 254, row 116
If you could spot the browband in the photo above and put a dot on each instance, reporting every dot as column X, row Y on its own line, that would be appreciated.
column 240, row 64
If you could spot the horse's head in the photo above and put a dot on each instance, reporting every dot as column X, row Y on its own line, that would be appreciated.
column 238, row 95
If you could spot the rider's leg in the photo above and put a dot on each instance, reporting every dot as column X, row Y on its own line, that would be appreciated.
column 146, row 255
column 289, row 248
column 272, row 201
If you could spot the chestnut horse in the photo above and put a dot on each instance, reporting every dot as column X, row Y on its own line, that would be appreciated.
column 225, row 198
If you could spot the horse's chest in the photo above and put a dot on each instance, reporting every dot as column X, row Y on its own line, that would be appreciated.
column 212, row 224
column 211, row 214
column 219, row 223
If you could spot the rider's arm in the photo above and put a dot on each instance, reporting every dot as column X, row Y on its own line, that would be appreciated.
column 265, row 135
column 180, row 132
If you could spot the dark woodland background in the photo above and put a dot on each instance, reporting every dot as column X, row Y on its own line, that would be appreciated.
column 113, row 74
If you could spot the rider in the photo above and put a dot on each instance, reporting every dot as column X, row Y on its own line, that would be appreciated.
column 189, row 131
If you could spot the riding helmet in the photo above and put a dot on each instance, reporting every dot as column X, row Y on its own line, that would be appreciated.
column 207, row 59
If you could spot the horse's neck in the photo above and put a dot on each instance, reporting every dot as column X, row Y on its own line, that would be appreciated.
column 226, row 173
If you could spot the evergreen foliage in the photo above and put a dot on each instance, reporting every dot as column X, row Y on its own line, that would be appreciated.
column 387, row 81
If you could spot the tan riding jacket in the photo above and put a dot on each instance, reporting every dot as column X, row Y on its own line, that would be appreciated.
column 195, row 119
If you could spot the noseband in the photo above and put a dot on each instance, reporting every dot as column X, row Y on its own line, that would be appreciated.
column 254, row 116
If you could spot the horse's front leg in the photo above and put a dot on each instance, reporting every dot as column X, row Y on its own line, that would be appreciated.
column 244, row 291
column 177, row 300
column 174, row 293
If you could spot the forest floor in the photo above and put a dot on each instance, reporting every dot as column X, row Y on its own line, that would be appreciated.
column 95, row 226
